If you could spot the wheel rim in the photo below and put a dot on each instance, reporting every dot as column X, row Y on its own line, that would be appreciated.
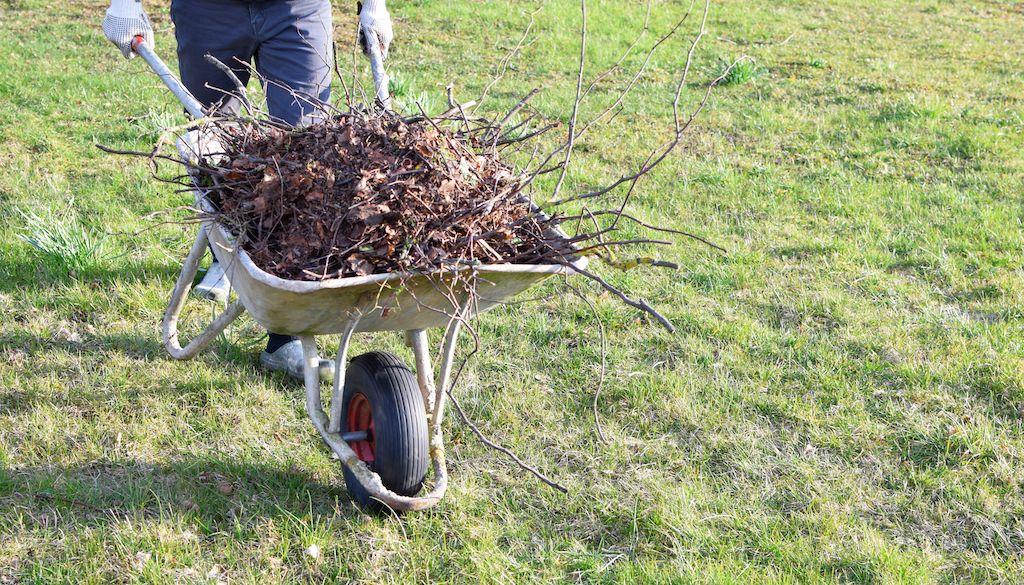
column 360, row 418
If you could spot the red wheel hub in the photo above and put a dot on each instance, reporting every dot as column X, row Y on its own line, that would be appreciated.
column 360, row 418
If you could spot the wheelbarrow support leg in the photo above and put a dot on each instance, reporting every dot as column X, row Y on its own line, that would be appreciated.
column 417, row 340
column 434, row 394
column 451, row 336
column 178, row 298
column 339, row 372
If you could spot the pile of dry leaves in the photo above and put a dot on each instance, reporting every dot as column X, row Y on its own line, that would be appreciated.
column 367, row 194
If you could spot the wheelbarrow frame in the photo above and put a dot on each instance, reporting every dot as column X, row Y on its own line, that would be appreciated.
column 408, row 302
column 378, row 303
column 433, row 389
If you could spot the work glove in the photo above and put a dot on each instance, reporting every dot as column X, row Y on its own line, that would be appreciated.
column 124, row 20
column 375, row 26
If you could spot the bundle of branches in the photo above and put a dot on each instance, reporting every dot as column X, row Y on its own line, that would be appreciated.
column 366, row 193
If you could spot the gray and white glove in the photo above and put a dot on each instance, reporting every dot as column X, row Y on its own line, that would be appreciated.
column 124, row 20
column 375, row 25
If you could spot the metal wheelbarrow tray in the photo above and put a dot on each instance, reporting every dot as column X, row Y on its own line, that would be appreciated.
column 406, row 302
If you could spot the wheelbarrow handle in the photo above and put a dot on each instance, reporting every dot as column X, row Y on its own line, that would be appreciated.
column 380, row 76
column 160, row 68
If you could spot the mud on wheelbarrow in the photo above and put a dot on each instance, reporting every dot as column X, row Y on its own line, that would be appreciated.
column 384, row 420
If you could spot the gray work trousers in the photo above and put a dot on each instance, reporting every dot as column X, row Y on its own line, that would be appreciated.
column 288, row 42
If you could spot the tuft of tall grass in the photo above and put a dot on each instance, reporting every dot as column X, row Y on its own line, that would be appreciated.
column 65, row 246
column 405, row 97
column 411, row 104
column 398, row 85
column 742, row 71
column 154, row 123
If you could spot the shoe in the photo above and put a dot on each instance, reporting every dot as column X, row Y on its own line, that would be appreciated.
column 214, row 286
column 288, row 359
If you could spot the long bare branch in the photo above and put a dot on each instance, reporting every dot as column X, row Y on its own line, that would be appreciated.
column 636, row 77
column 576, row 103
column 507, row 59
column 660, row 153
column 618, row 63
column 604, row 359
column 483, row 439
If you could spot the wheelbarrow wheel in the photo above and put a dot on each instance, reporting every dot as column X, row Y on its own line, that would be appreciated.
column 381, row 397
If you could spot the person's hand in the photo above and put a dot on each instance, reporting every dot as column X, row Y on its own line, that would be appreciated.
column 124, row 20
column 375, row 26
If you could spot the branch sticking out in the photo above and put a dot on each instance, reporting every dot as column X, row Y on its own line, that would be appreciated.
column 483, row 439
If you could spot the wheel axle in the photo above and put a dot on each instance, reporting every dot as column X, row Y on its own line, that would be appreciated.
column 355, row 436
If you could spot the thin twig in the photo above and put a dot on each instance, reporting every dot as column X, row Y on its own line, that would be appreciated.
column 637, row 304
column 681, row 127
column 639, row 73
column 507, row 59
column 644, row 224
column 629, row 49
column 576, row 103
column 483, row 439
column 604, row 355
column 71, row 502
column 243, row 95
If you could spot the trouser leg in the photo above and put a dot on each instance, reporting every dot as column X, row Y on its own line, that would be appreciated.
column 295, row 55
column 223, row 29
column 276, row 340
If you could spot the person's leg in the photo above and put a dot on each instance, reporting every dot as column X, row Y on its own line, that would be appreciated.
column 284, row 354
column 224, row 29
column 295, row 55
column 275, row 341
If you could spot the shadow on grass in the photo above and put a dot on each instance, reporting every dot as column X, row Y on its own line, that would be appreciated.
column 131, row 345
column 26, row 273
column 217, row 494
column 212, row 492
column 33, row 356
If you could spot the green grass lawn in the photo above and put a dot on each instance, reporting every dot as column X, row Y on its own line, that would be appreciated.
column 842, row 401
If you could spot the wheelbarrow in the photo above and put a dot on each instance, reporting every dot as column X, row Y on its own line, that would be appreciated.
column 384, row 420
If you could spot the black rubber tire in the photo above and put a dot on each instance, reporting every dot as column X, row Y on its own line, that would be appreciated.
column 400, row 421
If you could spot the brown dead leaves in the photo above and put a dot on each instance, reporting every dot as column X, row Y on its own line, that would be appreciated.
column 363, row 195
